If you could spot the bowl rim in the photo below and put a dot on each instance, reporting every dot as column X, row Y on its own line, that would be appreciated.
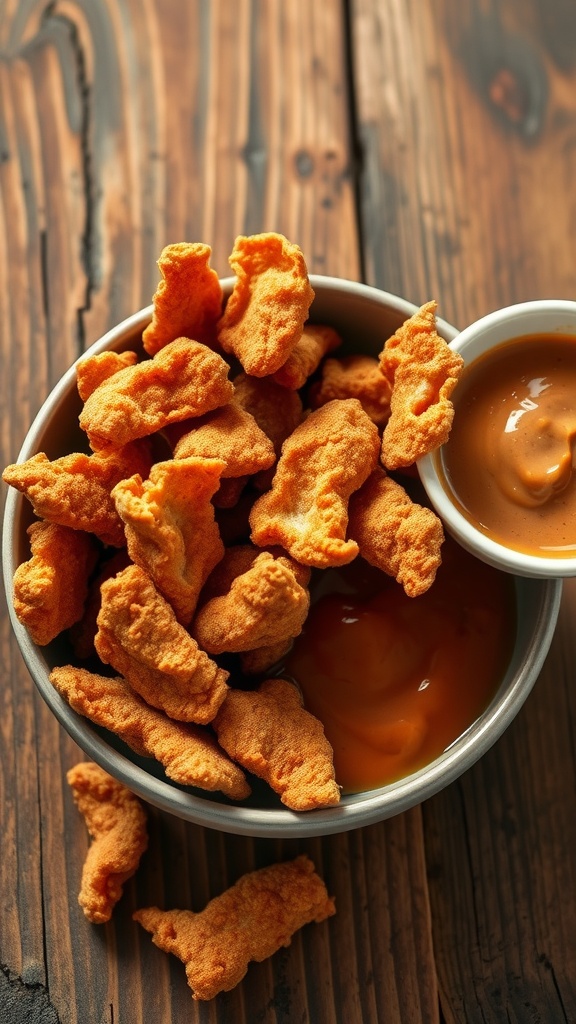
column 355, row 810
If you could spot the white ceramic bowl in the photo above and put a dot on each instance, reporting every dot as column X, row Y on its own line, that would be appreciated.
column 542, row 316
column 365, row 317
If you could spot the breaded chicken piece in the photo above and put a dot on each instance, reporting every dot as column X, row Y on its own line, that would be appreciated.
column 230, row 433
column 276, row 409
column 357, row 376
column 170, row 528
column 139, row 635
column 185, row 379
column 94, row 370
column 269, row 733
column 396, row 535
column 264, row 605
column 326, row 459
column 82, row 633
column 316, row 341
column 249, row 921
column 50, row 589
column 265, row 314
column 189, row 753
column 75, row 490
column 423, row 371
column 238, row 559
column 188, row 300
column 116, row 820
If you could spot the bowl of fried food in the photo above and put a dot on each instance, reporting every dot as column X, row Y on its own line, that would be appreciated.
column 221, row 567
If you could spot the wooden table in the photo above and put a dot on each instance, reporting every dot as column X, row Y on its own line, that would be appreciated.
column 428, row 148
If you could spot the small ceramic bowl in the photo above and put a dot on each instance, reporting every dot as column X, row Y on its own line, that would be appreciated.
column 366, row 318
column 480, row 339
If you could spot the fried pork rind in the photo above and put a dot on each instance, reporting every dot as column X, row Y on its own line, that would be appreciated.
column 276, row 409
column 82, row 633
column 423, row 372
column 265, row 314
column 170, row 528
column 185, row 379
column 269, row 733
column 116, row 820
column 189, row 753
column 94, row 370
column 50, row 589
column 75, row 490
column 263, row 605
column 139, row 635
column 357, row 376
column 316, row 341
column 188, row 300
column 396, row 535
column 323, row 462
column 250, row 921
column 233, row 434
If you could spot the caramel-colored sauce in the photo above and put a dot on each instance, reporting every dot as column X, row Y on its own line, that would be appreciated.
column 395, row 680
column 509, row 460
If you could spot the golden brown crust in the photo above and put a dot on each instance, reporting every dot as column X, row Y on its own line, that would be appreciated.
column 116, row 820
column 189, row 753
column 316, row 341
column 423, row 371
column 324, row 460
column 232, row 434
column 139, row 635
column 357, row 376
column 82, row 633
column 94, row 370
column 50, row 589
column 269, row 733
column 396, row 535
column 249, row 921
column 188, row 300
column 265, row 314
column 276, row 409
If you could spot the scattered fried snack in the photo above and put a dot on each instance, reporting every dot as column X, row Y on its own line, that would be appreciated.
column 75, row 490
column 170, row 528
column 277, row 411
column 184, row 379
column 323, row 462
column 50, row 589
column 357, row 376
column 140, row 637
column 116, row 820
column 396, row 535
column 82, row 633
column 316, row 341
column 234, row 435
column 189, row 753
column 249, row 921
column 423, row 371
column 188, row 300
column 269, row 733
column 265, row 314
column 94, row 370
column 264, row 605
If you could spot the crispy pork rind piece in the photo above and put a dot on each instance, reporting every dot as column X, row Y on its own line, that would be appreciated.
column 233, row 435
column 264, row 605
column 269, row 733
column 81, row 634
column 423, row 371
column 185, row 379
column 188, row 753
column 75, row 490
column 326, row 459
column 357, row 376
column 395, row 534
column 170, row 528
column 51, row 588
column 265, row 314
column 316, row 341
column 116, row 820
column 276, row 409
column 140, row 637
column 94, row 370
column 188, row 300
column 250, row 921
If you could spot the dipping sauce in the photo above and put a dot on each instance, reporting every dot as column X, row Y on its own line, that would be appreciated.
column 395, row 680
column 509, row 461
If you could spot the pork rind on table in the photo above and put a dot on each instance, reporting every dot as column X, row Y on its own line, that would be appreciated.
column 250, row 921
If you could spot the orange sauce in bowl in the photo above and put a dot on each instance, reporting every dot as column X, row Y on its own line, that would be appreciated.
column 395, row 680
